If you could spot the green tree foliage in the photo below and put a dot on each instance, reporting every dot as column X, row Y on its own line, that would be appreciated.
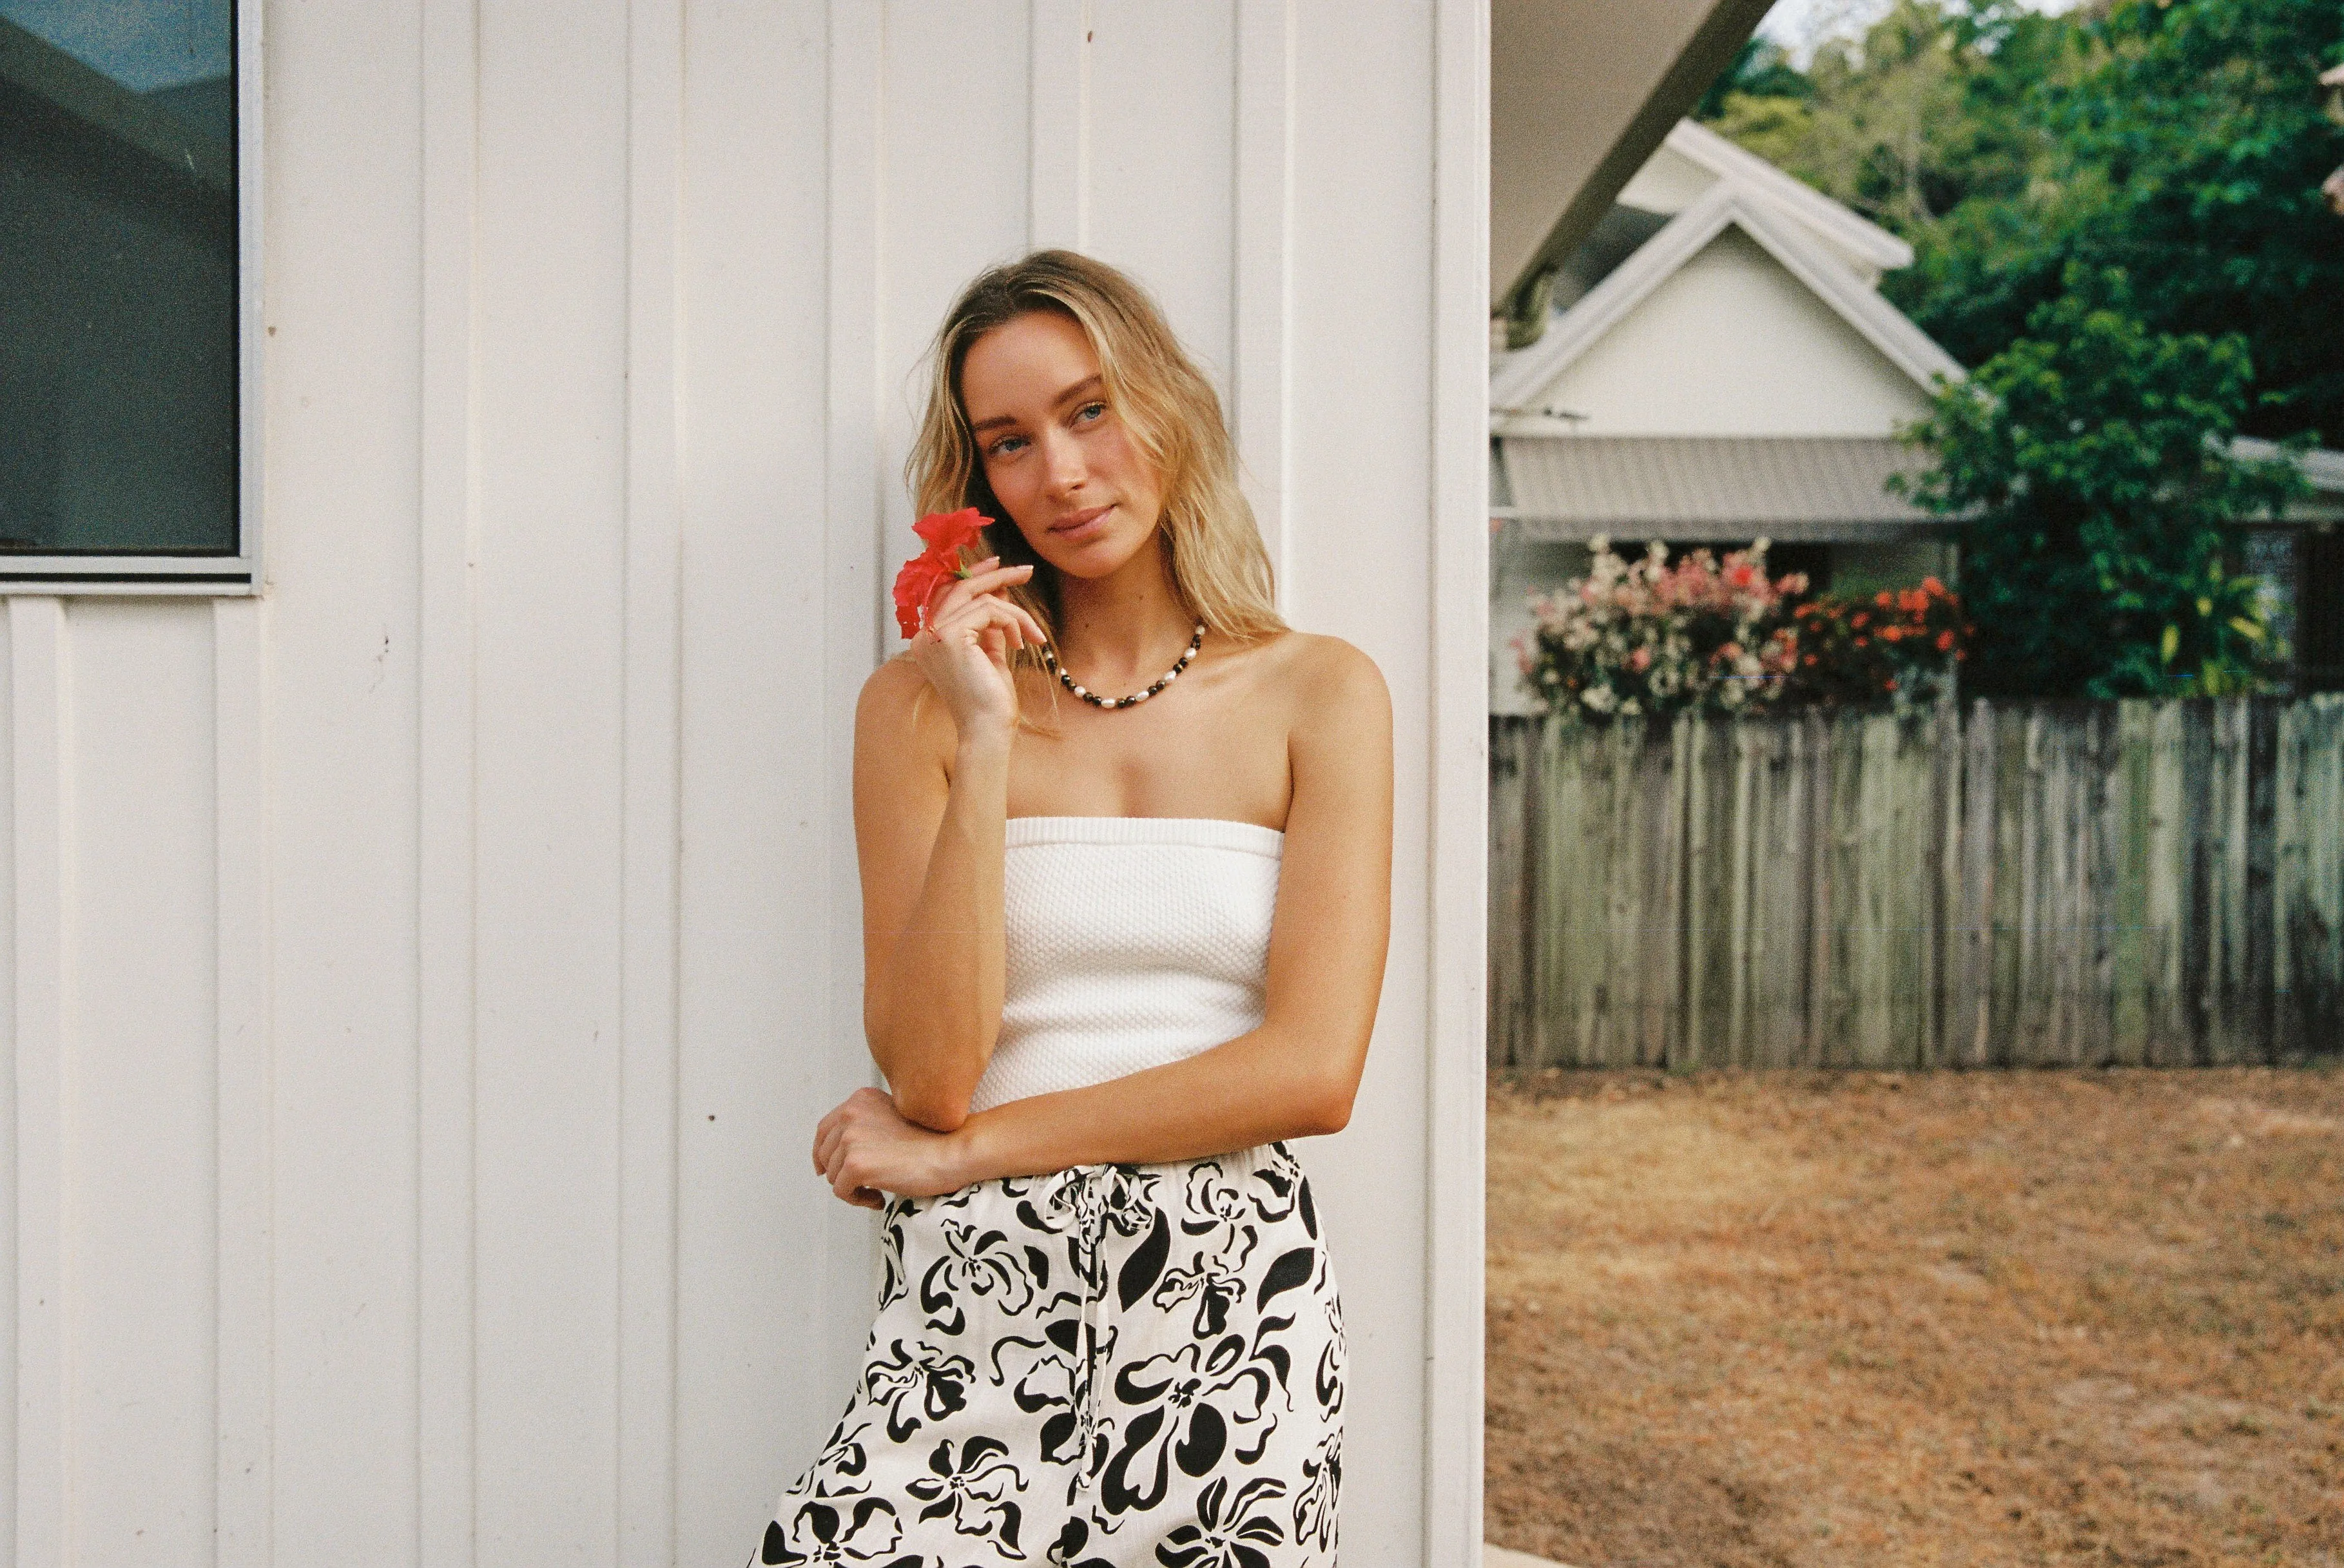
column 1911, row 120
column 2181, row 142
column 2091, row 462
column 1761, row 69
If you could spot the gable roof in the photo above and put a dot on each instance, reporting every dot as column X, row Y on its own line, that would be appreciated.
column 1862, row 239
column 1791, row 240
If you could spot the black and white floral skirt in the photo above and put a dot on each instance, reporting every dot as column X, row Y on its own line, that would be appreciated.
column 1112, row 1366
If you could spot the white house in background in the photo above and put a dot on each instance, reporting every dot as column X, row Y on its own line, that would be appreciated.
column 1719, row 366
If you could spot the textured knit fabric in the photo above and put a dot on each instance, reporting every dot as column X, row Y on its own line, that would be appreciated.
column 1114, row 1365
column 1132, row 942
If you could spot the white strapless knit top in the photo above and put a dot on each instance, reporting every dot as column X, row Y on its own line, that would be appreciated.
column 1132, row 941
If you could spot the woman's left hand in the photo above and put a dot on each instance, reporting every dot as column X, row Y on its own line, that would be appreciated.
column 866, row 1149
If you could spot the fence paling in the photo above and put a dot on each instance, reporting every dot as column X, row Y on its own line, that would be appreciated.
column 2029, row 883
column 2308, row 872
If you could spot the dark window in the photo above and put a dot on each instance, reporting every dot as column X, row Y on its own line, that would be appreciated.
column 1813, row 560
column 2319, row 609
column 117, row 277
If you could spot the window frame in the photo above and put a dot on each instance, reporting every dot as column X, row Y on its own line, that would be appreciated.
column 92, row 573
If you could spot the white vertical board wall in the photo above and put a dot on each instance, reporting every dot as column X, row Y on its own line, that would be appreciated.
column 424, row 976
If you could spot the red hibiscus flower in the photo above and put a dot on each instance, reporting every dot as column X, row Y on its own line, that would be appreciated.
column 947, row 533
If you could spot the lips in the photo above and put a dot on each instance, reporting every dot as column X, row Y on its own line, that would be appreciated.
column 1080, row 525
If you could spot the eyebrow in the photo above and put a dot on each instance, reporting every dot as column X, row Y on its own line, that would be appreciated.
column 1087, row 384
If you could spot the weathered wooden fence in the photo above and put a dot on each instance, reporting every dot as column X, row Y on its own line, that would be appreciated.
column 2038, row 884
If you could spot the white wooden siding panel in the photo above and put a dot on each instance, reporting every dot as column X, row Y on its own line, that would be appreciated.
column 856, row 564
column 756, row 1368
column 1162, row 165
column 344, row 403
column 138, row 1082
column 952, row 194
column 1358, row 563
column 437, row 1486
column 244, row 1316
column 1262, row 233
column 41, row 709
column 550, row 337
column 1457, row 960
column 646, row 1414
column 11, row 958
column 1058, row 124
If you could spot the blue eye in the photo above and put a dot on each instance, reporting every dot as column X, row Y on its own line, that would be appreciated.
column 1091, row 411
column 1002, row 447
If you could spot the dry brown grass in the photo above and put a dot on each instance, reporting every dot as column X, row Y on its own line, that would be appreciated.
column 1989, row 1317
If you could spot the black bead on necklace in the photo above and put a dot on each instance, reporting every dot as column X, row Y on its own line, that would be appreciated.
column 1050, row 658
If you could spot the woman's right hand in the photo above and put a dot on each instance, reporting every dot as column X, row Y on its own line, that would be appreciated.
column 963, row 649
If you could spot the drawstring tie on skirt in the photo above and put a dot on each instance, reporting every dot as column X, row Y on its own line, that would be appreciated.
column 1085, row 1201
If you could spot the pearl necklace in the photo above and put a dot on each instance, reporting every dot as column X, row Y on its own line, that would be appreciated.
column 1050, row 658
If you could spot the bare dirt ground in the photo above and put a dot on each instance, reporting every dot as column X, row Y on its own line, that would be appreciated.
column 1883, row 1319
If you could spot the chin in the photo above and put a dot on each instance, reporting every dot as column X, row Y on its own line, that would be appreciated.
column 1100, row 558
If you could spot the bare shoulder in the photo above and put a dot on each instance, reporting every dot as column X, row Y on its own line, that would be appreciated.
column 893, row 688
column 1339, row 744
column 1326, row 674
column 897, row 712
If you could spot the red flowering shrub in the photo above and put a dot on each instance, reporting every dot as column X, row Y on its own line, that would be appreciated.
column 1899, row 647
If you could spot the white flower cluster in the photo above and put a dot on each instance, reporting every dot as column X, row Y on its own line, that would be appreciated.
column 1648, row 637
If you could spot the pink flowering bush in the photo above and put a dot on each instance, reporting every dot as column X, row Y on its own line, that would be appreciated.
column 1652, row 637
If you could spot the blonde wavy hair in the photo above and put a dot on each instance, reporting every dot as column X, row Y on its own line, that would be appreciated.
column 1212, row 545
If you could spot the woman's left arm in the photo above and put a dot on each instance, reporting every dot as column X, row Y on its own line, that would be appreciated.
column 1293, row 1076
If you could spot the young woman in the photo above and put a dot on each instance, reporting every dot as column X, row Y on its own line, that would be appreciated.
column 1125, row 847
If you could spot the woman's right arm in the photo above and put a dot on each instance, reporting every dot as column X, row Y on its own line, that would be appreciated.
column 932, row 743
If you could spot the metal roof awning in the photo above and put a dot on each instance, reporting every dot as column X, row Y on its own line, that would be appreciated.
column 1805, row 489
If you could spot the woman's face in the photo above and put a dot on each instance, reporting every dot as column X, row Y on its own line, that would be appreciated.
column 1057, row 455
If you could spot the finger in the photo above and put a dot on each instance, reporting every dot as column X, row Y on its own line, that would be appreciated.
column 1029, row 633
column 869, row 1198
column 985, row 607
column 833, row 1126
column 950, row 592
column 978, row 617
column 847, row 1182
column 977, row 585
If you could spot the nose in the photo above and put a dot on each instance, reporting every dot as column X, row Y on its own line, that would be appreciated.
column 1063, row 469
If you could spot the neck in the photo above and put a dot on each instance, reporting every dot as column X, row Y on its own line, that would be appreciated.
column 1124, row 628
